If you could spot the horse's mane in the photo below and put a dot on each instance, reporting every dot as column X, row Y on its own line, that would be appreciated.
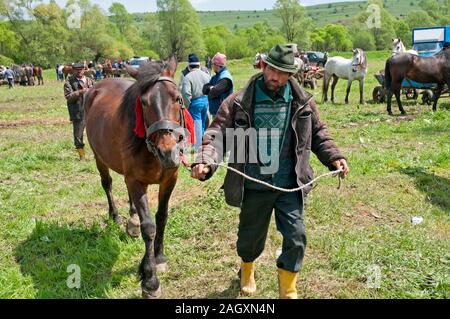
column 364, row 58
column 445, row 52
column 147, row 77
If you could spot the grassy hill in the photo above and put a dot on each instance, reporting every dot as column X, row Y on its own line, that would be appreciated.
column 341, row 12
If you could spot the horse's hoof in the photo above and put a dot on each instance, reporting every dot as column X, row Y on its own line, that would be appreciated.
column 134, row 227
column 152, row 294
column 117, row 220
column 162, row 267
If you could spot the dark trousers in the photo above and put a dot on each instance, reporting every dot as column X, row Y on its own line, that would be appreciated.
column 78, row 132
column 10, row 83
column 256, row 212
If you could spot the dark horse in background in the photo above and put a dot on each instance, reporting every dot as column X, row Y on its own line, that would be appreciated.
column 111, row 119
column 37, row 72
column 435, row 69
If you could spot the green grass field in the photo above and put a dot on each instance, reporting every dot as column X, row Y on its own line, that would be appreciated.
column 53, row 210
column 341, row 12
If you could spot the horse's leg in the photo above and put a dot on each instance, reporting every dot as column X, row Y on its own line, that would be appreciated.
column 361, row 91
column 107, row 186
column 326, row 85
column 150, row 284
column 333, row 86
column 397, row 88
column 134, row 224
column 349, row 86
column 165, row 191
column 389, row 94
column 437, row 96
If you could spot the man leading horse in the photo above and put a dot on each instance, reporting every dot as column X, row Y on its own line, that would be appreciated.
column 271, row 102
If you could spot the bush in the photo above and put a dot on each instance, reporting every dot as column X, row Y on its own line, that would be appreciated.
column 364, row 40
column 6, row 61
column 149, row 53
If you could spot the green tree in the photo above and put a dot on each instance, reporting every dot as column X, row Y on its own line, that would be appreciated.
column 214, row 43
column 295, row 21
column 363, row 40
column 8, row 41
column 403, row 32
column 382, row 34
column 337, row 38
column 419, row 18
column 180, row 31
column 237, row 48
column 120, row 16
column 431, row 7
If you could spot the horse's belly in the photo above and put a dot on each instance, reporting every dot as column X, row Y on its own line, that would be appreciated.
column 105, row 134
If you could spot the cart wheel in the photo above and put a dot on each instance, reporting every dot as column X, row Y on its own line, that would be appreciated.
column 313, row 83
column 379, row 95
column 427, row 97
column 412, row 94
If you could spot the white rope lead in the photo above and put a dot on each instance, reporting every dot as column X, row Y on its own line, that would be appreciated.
column 284, row 190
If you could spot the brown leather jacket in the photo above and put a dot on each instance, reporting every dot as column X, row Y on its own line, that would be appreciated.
column 237, row 112
column 74, row 96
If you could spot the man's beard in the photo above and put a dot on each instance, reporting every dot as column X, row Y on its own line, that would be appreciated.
column 273, row 85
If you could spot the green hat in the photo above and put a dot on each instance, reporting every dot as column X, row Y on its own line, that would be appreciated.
column 281, row 57
column 78, row 66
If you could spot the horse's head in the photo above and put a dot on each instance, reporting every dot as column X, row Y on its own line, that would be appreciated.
column 359, row 60
column 397, row 46
column 162, row 109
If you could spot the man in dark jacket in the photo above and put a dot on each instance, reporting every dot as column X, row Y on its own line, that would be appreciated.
column 221, row 85
column 74, row 89
column 276, row 117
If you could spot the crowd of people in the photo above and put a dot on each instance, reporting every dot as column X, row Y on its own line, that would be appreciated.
column 202, row 93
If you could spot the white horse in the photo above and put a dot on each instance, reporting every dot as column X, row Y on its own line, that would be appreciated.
column 258, row 64
column 354, row 69
column 398, row 47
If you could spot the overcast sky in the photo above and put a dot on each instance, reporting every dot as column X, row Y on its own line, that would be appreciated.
column 202, row 5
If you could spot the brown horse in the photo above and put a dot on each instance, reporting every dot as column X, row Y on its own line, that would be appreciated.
column 68, row 70
column 37, row 71
column 154, row 159
column 435, row 69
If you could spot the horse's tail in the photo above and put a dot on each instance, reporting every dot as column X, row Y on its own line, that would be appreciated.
column 387, row 75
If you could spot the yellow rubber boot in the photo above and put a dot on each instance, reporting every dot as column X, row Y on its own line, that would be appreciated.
column 248, row 284
column 82, row 154
column 287, row 282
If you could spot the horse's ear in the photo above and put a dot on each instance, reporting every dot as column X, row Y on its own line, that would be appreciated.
column 132, row 71
column 171, row 68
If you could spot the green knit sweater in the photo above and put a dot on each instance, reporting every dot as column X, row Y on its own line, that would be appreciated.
column 272, row 121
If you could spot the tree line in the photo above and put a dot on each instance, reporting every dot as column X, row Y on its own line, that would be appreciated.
column 45, row 33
